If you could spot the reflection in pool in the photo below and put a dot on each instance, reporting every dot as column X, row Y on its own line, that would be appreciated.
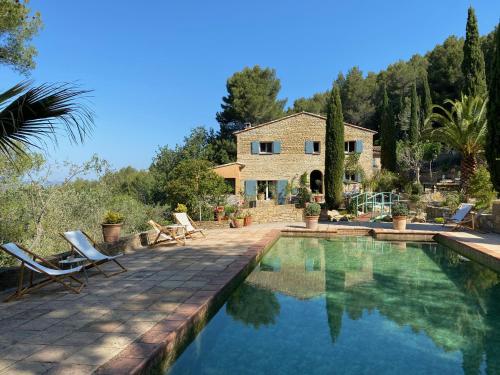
column 354, row 305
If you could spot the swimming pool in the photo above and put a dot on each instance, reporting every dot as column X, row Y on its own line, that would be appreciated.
column 354, row 305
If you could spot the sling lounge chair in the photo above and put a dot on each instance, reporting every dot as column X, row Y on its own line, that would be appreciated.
column 51, row 272
column 183, row 219
column 461, row 217
column 163, row 234
column 84, row 245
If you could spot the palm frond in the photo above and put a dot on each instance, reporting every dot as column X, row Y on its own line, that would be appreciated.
column 38, row 113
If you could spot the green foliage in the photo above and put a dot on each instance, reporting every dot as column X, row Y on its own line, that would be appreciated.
column 493, row 138
column 181, row 208
column 383, row 181
column 410, row 156
column 316, row 104
column 427, row 99
column 303, row 193
column 399, row 209
column 388, row 134
column 481, row 188
column 414, row 131
column 334, row 151
column 473, row 62
column 356, row 96
column 452, row 200
column 17, row 27
column 196, row 185
column 132, row 182
column 252, row 97
column 312, row 209
column 439, row 220
column 113, row 217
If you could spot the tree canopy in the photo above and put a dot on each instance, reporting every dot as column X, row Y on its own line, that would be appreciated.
column 473, row 61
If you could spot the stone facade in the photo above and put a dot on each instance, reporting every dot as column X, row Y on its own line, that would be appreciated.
column 276, row 214
column 292, row 132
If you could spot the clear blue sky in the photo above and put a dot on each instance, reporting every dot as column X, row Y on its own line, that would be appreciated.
column 159, row 68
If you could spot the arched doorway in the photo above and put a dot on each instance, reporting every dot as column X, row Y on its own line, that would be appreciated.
column 316, row 181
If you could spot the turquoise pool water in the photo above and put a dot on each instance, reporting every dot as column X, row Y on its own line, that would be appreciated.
column 354, row 306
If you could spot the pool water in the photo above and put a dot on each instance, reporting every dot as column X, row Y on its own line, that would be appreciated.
column 354, row 305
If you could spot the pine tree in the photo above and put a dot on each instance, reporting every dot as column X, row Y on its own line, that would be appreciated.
column 387, row 135
column 334, row 151
column 493, row 138
column 414, row 120
column 473, row 62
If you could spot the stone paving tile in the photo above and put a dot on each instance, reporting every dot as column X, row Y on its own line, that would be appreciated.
column 80, row 338
column 92, row 355
column 27, row 368
column 53, row 353
column 20, row 351
column 114, row 340
column 71, row 369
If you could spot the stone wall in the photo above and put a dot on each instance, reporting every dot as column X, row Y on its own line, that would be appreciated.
column 292, row 161
column 276, row 214
column 496, row 216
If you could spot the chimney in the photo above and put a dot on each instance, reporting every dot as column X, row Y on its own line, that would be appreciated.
column 248, row 125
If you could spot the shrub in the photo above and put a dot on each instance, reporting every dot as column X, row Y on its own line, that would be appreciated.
column 481, row 188
column 303, row 193
column 181, row 208
column 399, row 209
column 383, row 180
column 439, row 220
column 452, row 200
column 113, row 217
column 312, row 209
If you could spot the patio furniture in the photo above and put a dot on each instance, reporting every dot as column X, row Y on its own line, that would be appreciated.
column 460, row 218
column 73, row 261
column 51, row 272
column 84, row 245
column 183, row 219
column 167, row 233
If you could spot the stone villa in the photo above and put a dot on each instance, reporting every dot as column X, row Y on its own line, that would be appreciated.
column 272, row 154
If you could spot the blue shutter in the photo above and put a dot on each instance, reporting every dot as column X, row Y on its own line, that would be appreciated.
column 255, row 148
column 358, row 147
column 250, row 189
column 309, row 147
column 281, row 190
column 276, row 147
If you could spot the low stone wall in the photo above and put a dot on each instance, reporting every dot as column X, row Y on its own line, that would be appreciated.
column 224, row 224
column 276, row 213
column 433, row 212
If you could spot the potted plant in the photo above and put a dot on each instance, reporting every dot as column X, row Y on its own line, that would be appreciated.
column 399, row 215
column 238, row 220
column 247, row 220
column 181, row 208
column 311, row 213
column 219, row 213
column 112, row 226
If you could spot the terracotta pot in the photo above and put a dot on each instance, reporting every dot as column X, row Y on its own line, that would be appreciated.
column 238, row 223
column 220, row 216
column 318, row 198
column 111, row 232
column 312, row 222
column 399, row 222
column 247, row 221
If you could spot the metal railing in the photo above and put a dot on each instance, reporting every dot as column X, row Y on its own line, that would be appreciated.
column 374, row 203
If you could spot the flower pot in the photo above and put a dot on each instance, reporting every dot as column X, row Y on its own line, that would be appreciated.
column 399, row 222
column 238, row 223
column 220, row 216
column 318, row 198
column 312, row 222
column 111, row 232
column 247, row 221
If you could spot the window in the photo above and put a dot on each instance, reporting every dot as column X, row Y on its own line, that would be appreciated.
column 350, row 176
column 350, row 146
column 266, row 148
column 316, row 148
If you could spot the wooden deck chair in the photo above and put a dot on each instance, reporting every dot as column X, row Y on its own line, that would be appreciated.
column 163, row 234
column 183, row 219
column 52, row 273
column 84, row 245
column 461, row 217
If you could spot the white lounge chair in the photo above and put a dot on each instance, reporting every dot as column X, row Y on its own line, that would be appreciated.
column 163, row 234
column 459, row 217
column 183, row 219
column 51, row 272
column 84, row 245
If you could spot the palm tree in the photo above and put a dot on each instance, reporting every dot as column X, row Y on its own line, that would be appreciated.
column 30, row 115
column 462, row 128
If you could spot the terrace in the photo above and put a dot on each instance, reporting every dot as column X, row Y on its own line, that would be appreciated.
column 130, row 322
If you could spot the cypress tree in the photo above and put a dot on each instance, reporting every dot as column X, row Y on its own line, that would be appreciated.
column 427, row 98
column 414, row 123
column 473, row 62
column 334, row 151
column 387, row 135
column 493, row 138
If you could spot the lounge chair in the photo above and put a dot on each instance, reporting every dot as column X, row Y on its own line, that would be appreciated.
column 183, row 219
column 84, row 245
column 51, row 272
column 461, row 217
column 163, row 234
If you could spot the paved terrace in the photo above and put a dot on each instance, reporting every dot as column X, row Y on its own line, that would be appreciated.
column 116, row 325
